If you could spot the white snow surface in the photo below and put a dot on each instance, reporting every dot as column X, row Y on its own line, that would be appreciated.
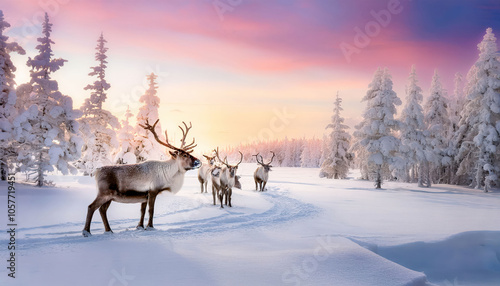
column 302, row 231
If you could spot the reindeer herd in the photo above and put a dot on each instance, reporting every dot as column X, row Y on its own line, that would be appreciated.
column 141, row 183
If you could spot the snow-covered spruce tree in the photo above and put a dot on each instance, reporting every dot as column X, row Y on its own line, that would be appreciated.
column 47, row 131
column 479, row 155
column 292, row 152
column 456, row 103
column 311, row 153
column 8, row 110
column 307, row 157
column 147, row 147
column 466, row 157
column 97, row 125
column 455, row 107
column 324, row 151
column 413, row 134
column 337, row 158
column 375, row 134
column 437, row 123
column 126, row 138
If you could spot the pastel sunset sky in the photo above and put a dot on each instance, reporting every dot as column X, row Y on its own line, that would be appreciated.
column 241, row 70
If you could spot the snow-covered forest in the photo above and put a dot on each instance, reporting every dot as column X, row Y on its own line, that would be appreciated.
column 444, row 139
column 438, row 137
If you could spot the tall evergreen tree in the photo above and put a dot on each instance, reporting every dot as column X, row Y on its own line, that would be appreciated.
column 437, row 122
column 126, row 137
column 376, row 133
column 311, row 153
column 47, row 131
column 337, row 157
column 413, row 134
column 8, row 97
column 480, row 126
column 324, row 150
column 466, row 155
column 456, row 104
column 97, row 125
column 455, row 107
column 147, row 147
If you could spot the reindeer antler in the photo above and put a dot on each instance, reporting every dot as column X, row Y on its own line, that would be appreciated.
column 225, row 162
column 184, row 134
column 271, row 158
column 241, row 159
column 257, row 158
column 217, row 155
column 262, row 159
column 208, row 157
column 189, row 148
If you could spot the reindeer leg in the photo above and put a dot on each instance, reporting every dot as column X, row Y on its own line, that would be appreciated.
column 151, row 202
column 229, row 194
column 256, row 187
column 264, row 185
column 201, row 187
column 143, row 212
column 102, row 210
column 221, row 197
column 226, row 192
column 206, row 186
column 213, row 193
column 90, row 212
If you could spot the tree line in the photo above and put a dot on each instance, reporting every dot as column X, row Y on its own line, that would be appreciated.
column 448, row 139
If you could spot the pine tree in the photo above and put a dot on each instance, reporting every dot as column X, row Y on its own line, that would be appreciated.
column 413, row 134
column 455, row 107
column 324, row 151
column 47, row 131
column 306, row 157
column 466, row 157
column 8, row 110
column 376, row 133
column 480, row 125
column 456, row 104
column 126, row 137
column 337, row 158
column 437, row 122
column 311, row 153
column 292, row 152
column 147, row 147
column 97, row 125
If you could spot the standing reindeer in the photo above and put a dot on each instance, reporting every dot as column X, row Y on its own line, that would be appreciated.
column 141, row 183
column 204, row 172
column 228, row 179
column 215, row 173
column 261, row 175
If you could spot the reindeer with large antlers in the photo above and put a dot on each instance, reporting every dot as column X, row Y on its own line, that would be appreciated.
column 141, row 183
column 228, row 179
column 261, row 175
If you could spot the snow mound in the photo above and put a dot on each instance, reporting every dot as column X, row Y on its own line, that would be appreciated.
column 468, row 258
column 341, row 260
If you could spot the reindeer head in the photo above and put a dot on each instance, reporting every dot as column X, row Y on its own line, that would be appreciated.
column 267, row 167
column 210, row 159
column 232, row 168
column 183, row 154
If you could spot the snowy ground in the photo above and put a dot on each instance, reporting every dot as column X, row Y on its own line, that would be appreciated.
column 303, row 231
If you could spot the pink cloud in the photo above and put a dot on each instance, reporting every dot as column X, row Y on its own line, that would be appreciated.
column 253, row 37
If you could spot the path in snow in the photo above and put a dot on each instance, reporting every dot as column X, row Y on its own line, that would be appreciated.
column 180, row 217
